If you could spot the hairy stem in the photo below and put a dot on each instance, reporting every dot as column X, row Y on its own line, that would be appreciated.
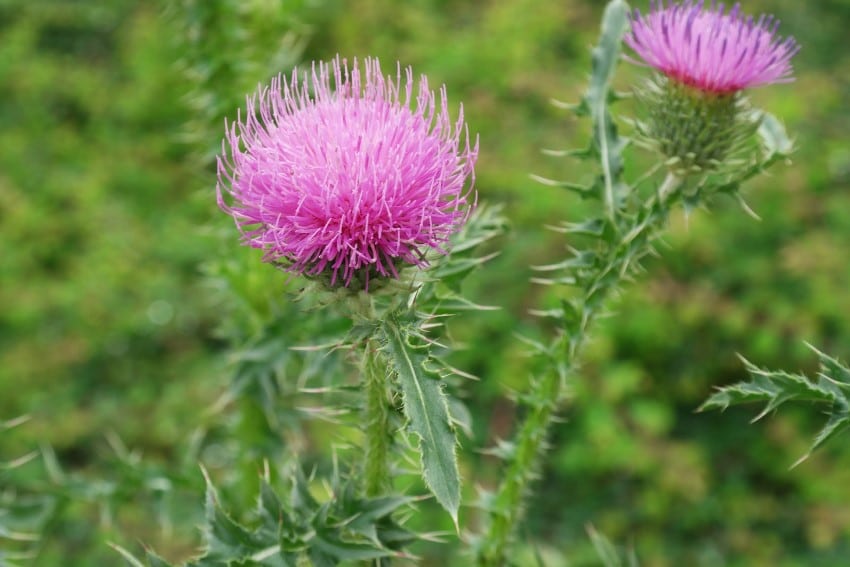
column 376, row 404
column 548, row 393
column 376, row 468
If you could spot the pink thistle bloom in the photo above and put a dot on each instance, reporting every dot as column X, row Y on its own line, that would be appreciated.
column 709, row 49
column 350, row 181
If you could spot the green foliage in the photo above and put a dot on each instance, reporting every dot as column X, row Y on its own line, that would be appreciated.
column 105, row 219
column 776, row 387
column 285, row 531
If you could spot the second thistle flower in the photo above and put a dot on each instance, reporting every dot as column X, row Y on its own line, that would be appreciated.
column 705, row 58
column 347, row 175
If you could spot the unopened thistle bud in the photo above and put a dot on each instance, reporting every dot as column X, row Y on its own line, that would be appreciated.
column 347, row 177
column 697, row 114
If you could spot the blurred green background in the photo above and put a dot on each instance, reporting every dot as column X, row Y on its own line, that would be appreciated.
column 111, row 328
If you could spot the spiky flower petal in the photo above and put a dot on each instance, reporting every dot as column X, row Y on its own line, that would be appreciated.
column 710, row 49
column 347, row 175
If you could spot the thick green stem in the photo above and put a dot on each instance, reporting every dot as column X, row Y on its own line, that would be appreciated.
column 376, row 467
column 376, row 403
column 549, row 392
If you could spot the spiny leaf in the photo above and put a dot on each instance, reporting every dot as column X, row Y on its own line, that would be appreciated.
column 775, row 388
column 284, row 532
column 427, row 410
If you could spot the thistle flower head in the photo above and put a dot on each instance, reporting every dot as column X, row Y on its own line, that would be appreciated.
column 710, row 49
column 347, row 174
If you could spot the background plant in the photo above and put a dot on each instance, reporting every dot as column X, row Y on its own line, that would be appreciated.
column 101, row 205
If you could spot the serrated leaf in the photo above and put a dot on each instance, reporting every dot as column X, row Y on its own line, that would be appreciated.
column 775, row 388
column 426, row 408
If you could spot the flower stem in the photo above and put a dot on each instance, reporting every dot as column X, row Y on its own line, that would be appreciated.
column 549, row 392
column 377, row 421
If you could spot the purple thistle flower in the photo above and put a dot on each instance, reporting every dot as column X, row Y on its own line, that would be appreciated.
column 350, row 181
column 709, row 49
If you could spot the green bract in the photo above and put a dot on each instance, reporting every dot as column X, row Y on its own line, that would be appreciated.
column 696, row 131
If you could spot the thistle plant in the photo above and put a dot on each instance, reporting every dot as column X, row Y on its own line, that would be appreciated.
column 359, row 186
column 358, row 182
column 696, row 117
